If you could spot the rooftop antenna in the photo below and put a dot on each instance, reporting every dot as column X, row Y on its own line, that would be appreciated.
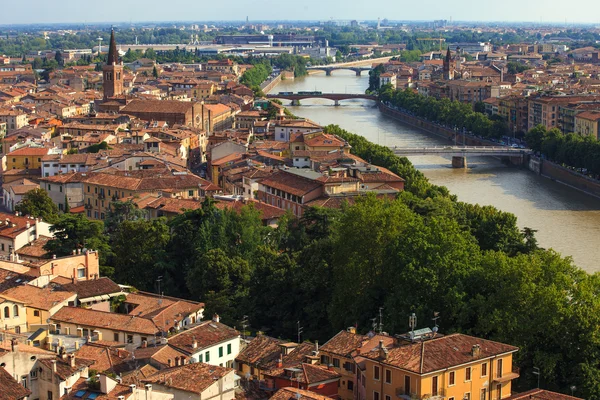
column 380, row 320
column 412, row 323
column 244, row 324
column 300, row 329
column 436, row 316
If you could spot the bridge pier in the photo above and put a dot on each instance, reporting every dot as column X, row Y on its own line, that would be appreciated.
column 459, row 162
column 295, row 102
column 328, row 72
column 358, row 72
column 337, row 103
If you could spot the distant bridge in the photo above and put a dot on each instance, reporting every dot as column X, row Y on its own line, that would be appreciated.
column 337, row 97
column 459, row 153
column 330, row 68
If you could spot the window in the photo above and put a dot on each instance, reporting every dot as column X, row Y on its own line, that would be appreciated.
column 191, row 193
column 15, row 311
column 499, row 389
column 36, row 313
column 387, row 397
column 60, row 189
column 434, row 386
column 350, row 385
column 324, row 359
column 200, row 357
column 483, row 393
column 81, row 272
column 221, row 351
column 388, row 376
column 376, row 372
column 500, row 368
column 451, row 378
column 229, row 348
column 336, row 362
column 207, row 356
column 467, row 396
column 129, row 338
column 484, row 369
column 49, row 394
column 6, row 312
column 116, row 337
column 375, row 395
column 468, row 374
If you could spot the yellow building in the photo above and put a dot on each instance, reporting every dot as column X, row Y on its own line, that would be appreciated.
column 13, row 317
column 101, row 189
column 586, row 123
column 26, row 158
column 338, row 353
column 431, row 366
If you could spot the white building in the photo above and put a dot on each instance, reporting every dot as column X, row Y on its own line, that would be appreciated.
column 211, row 342
column 16, row 232
column 285, row 128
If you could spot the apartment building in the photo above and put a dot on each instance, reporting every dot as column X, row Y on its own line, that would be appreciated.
column 427, row 365
column 13, row 119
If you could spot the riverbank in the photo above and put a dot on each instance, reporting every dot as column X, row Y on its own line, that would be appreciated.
column 543, row 168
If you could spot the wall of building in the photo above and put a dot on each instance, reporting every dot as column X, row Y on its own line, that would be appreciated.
column 226, row 360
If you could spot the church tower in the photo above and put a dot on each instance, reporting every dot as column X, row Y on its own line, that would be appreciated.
column 112, row 71
column 448, row 67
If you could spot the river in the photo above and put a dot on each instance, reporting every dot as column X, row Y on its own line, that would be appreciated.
column 566, row 220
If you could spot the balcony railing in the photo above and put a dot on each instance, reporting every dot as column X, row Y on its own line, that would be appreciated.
column 400, row 392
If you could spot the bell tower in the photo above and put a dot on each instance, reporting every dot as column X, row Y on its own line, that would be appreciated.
column 113, row 71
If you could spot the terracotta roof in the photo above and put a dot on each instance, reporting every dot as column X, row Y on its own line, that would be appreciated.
column 208, row 333
column 267, row 211
column 439, row 353
column 36, row 297
column 29, row 151
column 217, row 109
column 106, row 320
column 135, row 377
column 158, row 106
column 540, row 394
column 11, row 389
column 290, row 183
column 35, row 248
column 82, row 386
column 344, row 343
column 291, row 393
column 63, row 367
column 105, row 357
column 262, row 349
column 10, row 231
column 92, row 288
column 194, row 378
column 159, row 354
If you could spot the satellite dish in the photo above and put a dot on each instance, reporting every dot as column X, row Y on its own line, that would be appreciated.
column 48, row 321
column 435, row 329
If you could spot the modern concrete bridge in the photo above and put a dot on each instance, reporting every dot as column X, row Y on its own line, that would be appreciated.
column 459, row 153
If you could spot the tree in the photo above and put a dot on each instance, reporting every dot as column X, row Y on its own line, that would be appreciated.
column 59, row 58
column 374, row 75
column 67, row 206
column 535, row 137
column 155, row 72
column 75, row 232
column 36, row 203
column 139, row 248
column 119, row 212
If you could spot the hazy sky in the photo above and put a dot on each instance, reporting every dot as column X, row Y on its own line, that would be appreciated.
column 80, row 11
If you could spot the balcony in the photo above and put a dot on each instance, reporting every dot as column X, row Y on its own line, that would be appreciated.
column 507, row 377
column 403, row 394
column 438, row 395
column 101, row 195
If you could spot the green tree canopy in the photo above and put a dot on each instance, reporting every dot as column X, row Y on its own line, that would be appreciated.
column 36, row 203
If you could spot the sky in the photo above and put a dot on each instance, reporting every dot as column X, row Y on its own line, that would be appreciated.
column 89, row 11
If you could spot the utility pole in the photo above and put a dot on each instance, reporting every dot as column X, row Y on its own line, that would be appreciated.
column 300, row 329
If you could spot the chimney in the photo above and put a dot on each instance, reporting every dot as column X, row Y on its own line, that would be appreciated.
column 216, row 318
column 383, row 352
column 316, row 346
column 476, row 350
column 27, row 225
column 14, row 345
column 53, row 366
column 351, row 330
column 144, row 344
column 72, row 360
column 194, row 343
column 77, row 345
column 132, row 388
column 279, row 363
